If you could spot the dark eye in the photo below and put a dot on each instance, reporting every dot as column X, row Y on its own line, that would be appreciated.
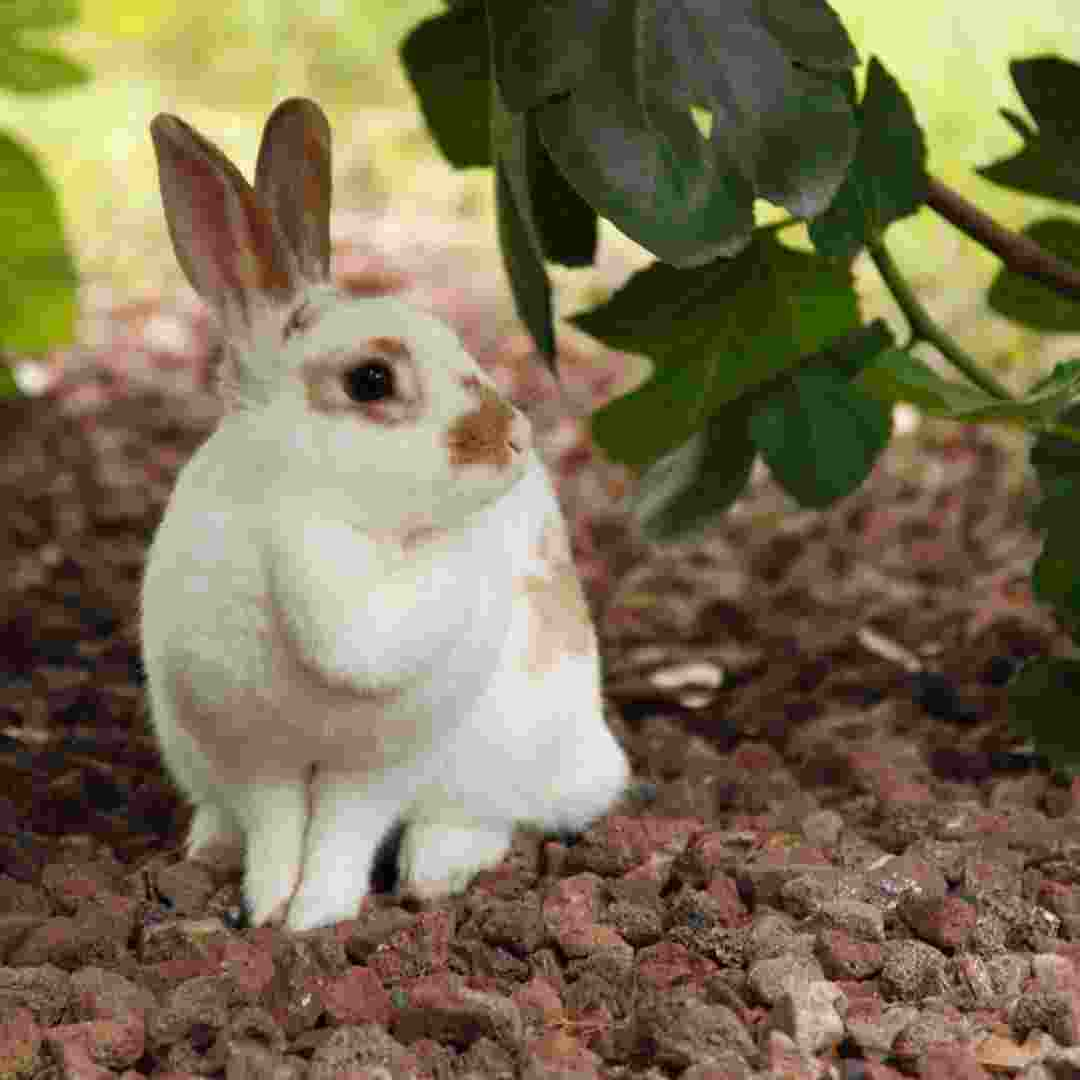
column 372, row 381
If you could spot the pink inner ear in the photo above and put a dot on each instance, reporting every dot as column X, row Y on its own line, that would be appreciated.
column 232, row 238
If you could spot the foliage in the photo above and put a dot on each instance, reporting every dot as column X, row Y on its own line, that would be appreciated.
column 37, row 273
column 588, row 110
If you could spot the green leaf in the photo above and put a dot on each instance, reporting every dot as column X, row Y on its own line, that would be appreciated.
column 447, row 59
column 565, row 222
column 683, row 494
column 1049, row 162
column 36, row 14
column 1054, row 457
column 820, row 436
column 887, row 179
column 1030, row 302
column 613, row 83
column 32, row 70
column 713, row 333
column 513, row 137
column 895, row 375
column 37, row 275
column 849, row 353
column 1050, row 88
column 1044, row 699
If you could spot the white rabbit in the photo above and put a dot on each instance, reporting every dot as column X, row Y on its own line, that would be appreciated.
column 367, row 651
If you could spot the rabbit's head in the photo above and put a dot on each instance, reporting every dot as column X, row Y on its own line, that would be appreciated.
column 366, row 403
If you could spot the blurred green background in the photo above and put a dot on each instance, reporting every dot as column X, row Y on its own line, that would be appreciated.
column 223, row 66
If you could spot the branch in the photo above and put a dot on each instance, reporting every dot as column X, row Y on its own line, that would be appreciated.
column 923, row 326
column 1016, row 251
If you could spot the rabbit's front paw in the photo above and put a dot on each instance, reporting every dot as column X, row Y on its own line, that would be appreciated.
column 438, row 859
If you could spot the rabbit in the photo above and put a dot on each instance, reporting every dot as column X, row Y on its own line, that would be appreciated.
column 368, row 654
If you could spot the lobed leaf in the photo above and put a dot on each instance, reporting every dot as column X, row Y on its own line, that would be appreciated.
column 447, row 59
column 713, row 333
column 1048, row 164
column 684, row 493
column 887, row 179
column 820, row 436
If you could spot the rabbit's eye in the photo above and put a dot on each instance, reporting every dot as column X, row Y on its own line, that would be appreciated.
column 372, row 381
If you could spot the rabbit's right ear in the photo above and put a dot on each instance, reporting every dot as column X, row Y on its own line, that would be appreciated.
column 292, row 176
column 223, row 233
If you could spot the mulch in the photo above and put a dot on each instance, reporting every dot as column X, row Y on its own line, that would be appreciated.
column 841, row 857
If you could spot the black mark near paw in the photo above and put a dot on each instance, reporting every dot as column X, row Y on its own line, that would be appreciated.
column 384, row 865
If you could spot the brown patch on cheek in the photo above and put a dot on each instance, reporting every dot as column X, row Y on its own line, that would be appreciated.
column 560, row 624
column 481, row 437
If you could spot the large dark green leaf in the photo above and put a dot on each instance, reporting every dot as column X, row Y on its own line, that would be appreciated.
column 448, row 61
column 1030, row 302
column 33, row 70
column 36, row 14
column 37, row 275
column 566, row 223
column 887, row 179
column 519, row 236
column 820, row 436
column 1044, row 698
column 680, row 496
column 1049, row 162
column 714, row 333
column 614, row 103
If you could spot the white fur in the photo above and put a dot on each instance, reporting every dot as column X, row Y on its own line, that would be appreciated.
column 342, row 628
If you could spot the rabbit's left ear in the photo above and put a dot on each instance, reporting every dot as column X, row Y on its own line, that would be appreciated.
column 292, row 177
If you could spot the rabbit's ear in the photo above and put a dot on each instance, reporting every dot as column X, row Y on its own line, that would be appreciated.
column 292, row 177
column 222, row 232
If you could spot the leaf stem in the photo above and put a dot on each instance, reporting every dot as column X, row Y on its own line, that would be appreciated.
column 923, row 326
column 1018, row 252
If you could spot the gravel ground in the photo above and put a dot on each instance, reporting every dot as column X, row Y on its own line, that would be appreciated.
column 841, row 863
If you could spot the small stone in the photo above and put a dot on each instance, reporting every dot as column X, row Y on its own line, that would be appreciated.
column 946, row 922
column 811, row 1014
column 822, row 828
column 927, row 1029
column 1054, row 1011
column 874, row 1026
column 421, row 948
column 357, row 997
column 637, row 924
column 685, row 1031
column 844, row 957
column 913, row 970
column 443, row 1008
column 667, row 964
column 857, row 919
column 947, row 1061
column 538, row 1002
column 514, row 924
column 45, row 991
column 768, row 980
column 350, row 1049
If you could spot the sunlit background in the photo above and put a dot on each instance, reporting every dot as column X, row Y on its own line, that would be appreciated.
column 223, row 66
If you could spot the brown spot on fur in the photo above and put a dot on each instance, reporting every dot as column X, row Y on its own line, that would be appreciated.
column 560, row 623
column 302, row 318
column 389, row 346
column 481, row 437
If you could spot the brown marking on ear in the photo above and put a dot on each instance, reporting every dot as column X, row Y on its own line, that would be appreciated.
column 560, row 624
column 481, row 437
